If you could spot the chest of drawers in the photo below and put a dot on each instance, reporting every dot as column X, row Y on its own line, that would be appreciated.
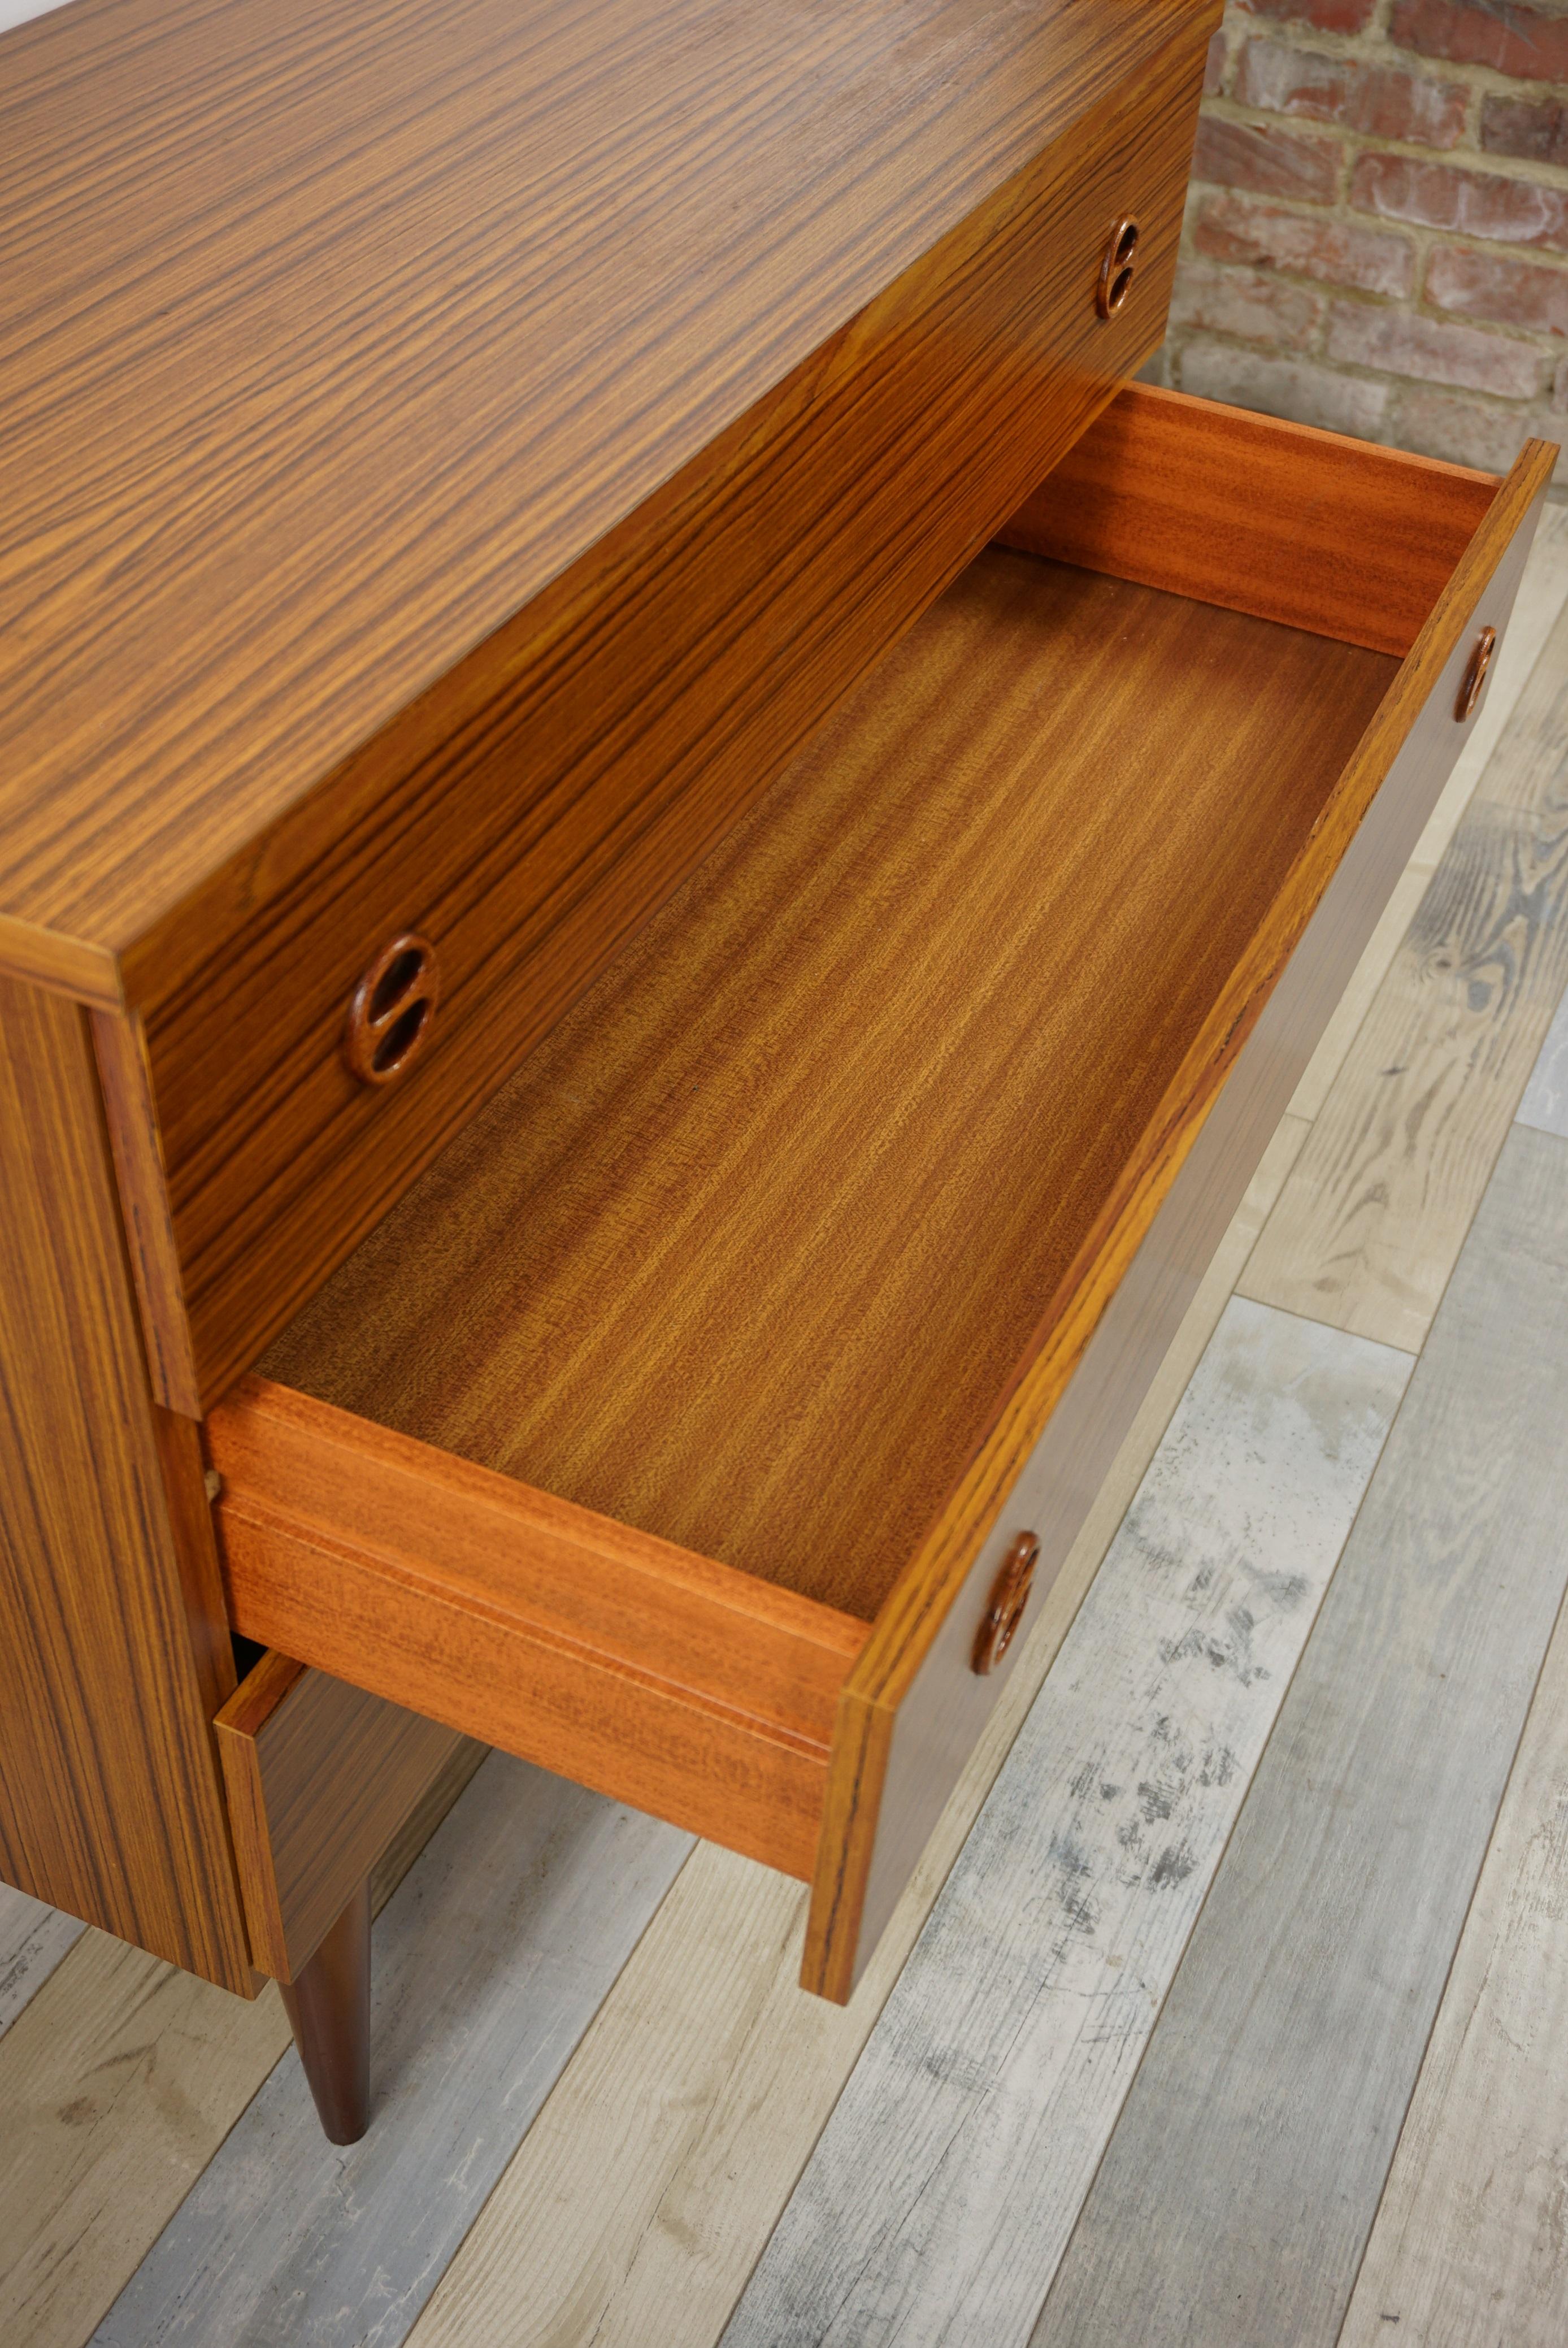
column 662, row 866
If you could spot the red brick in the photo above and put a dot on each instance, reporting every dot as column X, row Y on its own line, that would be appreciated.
column 1477, row 203
column 1215, row 65
column 1464, row 431
column 1234, row 227
column 1298, row 389
column 1269, row 161
column 1494, row 286
column 1323, row 15
column 1380, row 100
column 1248, row 304
column 1535, row 129
column 1515, row 40
column 1399, row 344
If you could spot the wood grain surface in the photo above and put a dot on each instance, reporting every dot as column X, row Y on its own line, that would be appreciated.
column 635, row 1667
column 374, row 324
column 34, row 1939
column 539, row 802
column 947, row 2184
column 647, row 2184
column 1367, row 1229
column 747, row 1253
column 1271, row 2096
column 1468, row 2246
column 113, row 1642
column 320, row 1778
column 119, row 1045
column 120, row 2080
column 1308, row 528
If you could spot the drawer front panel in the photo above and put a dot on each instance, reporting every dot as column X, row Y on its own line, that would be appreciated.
column 542, row 800
column 658, row 1677
column 904, row 1775
column 321, row 1777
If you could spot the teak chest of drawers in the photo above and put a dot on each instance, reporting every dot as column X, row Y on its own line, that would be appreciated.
column 663, row 859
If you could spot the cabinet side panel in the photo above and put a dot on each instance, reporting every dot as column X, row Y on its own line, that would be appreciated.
column 109, row 1799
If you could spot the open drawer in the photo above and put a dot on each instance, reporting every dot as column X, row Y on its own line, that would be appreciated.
column 693, row 1423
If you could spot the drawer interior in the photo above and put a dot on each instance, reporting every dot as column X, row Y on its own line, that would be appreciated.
column 749, row 1253
column 663, row 1432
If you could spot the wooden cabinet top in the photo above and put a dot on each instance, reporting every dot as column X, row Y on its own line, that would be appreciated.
column 330, row 337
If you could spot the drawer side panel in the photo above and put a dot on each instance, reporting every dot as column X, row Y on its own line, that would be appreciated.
column 913, row 1710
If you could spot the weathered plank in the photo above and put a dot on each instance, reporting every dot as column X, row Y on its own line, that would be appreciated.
column 33, row 1940
column 489, row 1962
column 1545, row 1101
column 1367, row 1228
column 637, row 2204
column 119, row 2082
column 1468, row 2246
column 1542, row 592
column 1273, row 2090
column 947, row 2181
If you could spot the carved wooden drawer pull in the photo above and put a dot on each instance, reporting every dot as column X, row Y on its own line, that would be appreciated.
column 1475, row 674
column 1009, row 1596
column 1116, row 270
column 392, row 1010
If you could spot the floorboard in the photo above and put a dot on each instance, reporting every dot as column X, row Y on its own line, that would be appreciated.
column 1261, row 2124
column 33, row 1940
column 1376, row 1206
column 118, row 2083
column 1545, row 1101
column 1468, row 2248
column 637, row 2204
column 946, row 2183
column 489, row 1962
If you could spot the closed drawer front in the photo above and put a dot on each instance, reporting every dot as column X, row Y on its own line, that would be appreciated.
column 321, row 1779
column 532, row 810
column 679, row 1426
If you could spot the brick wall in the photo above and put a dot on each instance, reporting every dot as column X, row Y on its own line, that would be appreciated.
column 1377, row 234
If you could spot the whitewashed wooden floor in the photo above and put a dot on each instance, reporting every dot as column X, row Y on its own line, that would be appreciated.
column 1237, row 1973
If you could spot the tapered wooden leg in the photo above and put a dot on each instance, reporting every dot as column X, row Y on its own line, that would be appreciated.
column 329, row 2010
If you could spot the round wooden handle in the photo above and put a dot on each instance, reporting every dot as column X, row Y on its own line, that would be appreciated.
column 392, row 1010
column 1475, row 675
column 1009, row 1596
column 1115, row 269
